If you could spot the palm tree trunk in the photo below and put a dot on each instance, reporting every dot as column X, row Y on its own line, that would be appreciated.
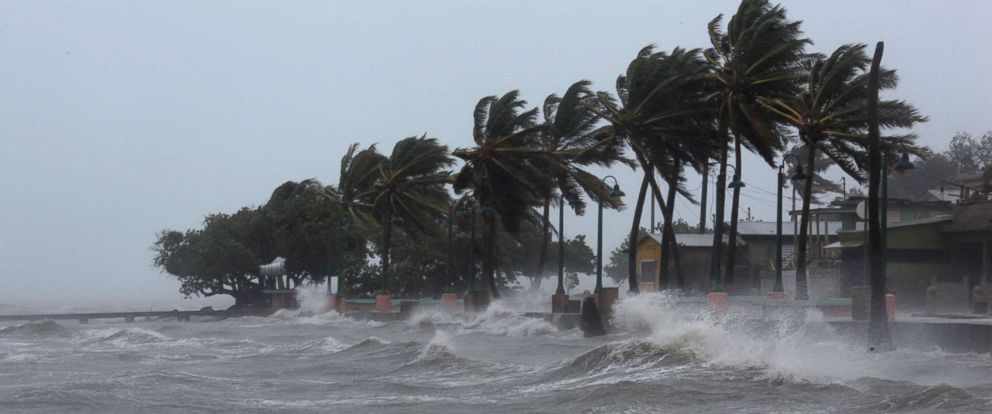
column 545, row 243
column 702, row 199
column 635, row 228
column 387, row 234
column 879, row 335
column 735, row 206
column 666, row 242
column 721, row 190
column 802, row 290
column 668, row 230
column 669, row 213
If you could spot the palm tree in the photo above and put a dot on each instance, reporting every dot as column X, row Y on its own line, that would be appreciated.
column 831, row 116
column 570, row 134
column 506, row 171
column 408, row 190
column 756, row 57
column 660, row 113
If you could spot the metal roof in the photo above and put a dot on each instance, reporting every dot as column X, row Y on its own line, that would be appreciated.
column 767, row 228
column 695, row 239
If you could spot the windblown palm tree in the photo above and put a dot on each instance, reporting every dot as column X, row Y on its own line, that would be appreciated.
column 407, row 189
column 756, row 57
column 506, row 171
column 570, row 135
column 831, row 117
column 661, row 114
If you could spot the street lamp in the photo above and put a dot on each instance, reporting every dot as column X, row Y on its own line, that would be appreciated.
column 716, row 277
column 902, row 166
column 798, row 176
column 616, row 193
column 736, row 181
column 451, row 244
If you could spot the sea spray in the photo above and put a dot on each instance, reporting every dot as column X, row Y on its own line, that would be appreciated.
column 312, row 299
column 439, row 346
column 501, row 318
column 783, row 346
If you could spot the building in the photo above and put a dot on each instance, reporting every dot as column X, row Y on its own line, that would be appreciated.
column 695, row 254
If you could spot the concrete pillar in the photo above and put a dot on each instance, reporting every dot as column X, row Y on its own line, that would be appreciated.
column 979, row 300
column 559, row 303
column 607, row 297
column 449, row 301
column 932, row 299
column 890, row 306
column 476, row 300
column 719, row 302
column 332, row 302
column 383, row 303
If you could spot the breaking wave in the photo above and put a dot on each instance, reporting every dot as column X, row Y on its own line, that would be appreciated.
column 498, row 319
column 782, row 349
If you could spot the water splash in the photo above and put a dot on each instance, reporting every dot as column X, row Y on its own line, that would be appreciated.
column 783, row 347
column 502, row 318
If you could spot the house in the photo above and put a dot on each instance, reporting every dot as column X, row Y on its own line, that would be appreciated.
column 761, row 240
column 695, row 254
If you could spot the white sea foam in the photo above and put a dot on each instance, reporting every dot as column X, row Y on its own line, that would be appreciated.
column 439, row 346
column 807, row 349
column 501, row 318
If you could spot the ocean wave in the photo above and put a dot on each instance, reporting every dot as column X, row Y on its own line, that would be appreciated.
column 499, row 319
column 786, row 348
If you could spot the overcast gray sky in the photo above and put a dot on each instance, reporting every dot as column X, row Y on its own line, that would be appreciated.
column 119, row 119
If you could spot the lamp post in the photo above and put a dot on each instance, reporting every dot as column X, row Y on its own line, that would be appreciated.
column 717, row 276
column 451, row 244
column 561, row 246
column 798, row 176
column 616, row 193
column 902, row 166
column 468, row 210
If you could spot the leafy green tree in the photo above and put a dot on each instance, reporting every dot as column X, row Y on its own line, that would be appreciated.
column 755, row 58
column 222, row 258
column 934, row 172
column 831, row 116
column 969, row 154
column 505, row 173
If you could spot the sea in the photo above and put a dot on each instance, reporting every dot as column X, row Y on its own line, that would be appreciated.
column 661, row 359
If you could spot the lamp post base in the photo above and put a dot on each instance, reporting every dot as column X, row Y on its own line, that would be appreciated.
column 449, row 301
column 559, row 303
column 606, row 298
column 719, row 302
column 383, row 303
column 476, row 300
